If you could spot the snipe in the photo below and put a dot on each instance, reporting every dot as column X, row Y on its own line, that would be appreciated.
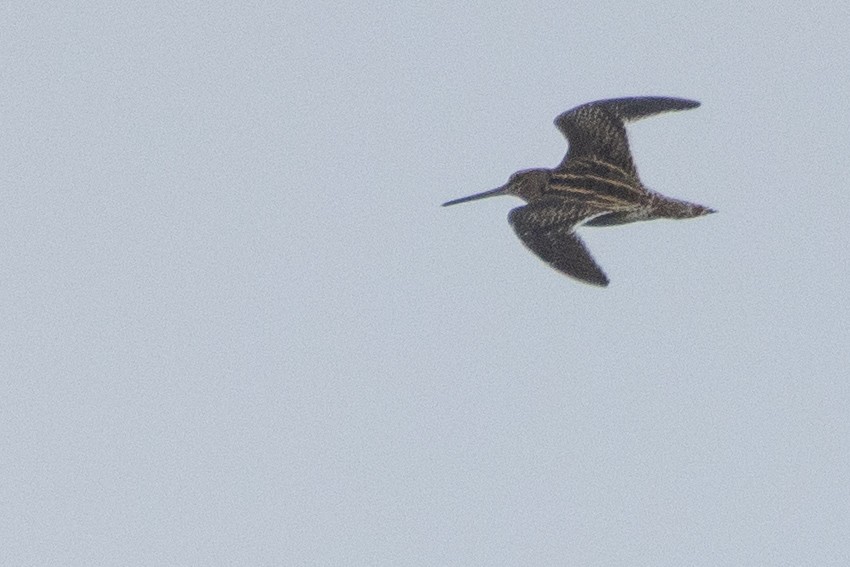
column 596, row 184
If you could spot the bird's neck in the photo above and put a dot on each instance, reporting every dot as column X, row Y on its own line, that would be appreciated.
column 531, row 183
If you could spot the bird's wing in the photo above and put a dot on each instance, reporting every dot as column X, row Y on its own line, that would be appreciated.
column 596, row 130
column 547, row 228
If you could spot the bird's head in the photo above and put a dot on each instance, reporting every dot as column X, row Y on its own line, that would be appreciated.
column 527, row 184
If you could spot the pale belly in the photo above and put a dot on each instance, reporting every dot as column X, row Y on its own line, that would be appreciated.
column 621, row 217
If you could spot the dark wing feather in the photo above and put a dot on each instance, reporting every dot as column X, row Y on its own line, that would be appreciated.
column 597, row 131
column 547, row 228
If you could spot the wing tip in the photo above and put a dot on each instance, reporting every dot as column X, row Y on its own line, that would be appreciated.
column 670, row 103
column 689, row 103
column 598, row 280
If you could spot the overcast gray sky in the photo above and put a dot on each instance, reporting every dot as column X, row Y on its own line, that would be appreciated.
column 238, row 329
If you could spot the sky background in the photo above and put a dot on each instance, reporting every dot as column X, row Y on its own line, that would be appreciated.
column 237, row 328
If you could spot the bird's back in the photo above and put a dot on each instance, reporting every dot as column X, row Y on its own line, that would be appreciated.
column 597, row 181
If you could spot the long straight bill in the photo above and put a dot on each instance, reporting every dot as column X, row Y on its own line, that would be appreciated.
column 485, row 194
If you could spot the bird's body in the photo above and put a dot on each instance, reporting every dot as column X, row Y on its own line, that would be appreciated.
column 596, row 184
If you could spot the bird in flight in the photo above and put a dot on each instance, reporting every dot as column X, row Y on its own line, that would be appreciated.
column 596, row 184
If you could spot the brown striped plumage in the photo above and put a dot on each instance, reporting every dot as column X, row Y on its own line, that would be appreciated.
column 596, row 184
